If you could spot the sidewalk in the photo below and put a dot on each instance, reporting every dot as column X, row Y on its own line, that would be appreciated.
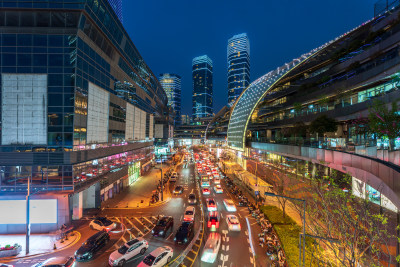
column 290, row 210
column 39, row 243
column 138, row 194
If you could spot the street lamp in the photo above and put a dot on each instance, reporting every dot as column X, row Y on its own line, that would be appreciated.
column 304, row 223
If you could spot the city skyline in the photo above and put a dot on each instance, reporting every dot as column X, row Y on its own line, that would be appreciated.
column 270, row 46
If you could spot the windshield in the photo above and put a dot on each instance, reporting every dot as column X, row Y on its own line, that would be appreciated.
column 149, row 260
column 122, row 250
column 162, row 223
column 192, row 197
column 189, row 212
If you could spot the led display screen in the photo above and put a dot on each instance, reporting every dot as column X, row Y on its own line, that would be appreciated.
column 41, row 211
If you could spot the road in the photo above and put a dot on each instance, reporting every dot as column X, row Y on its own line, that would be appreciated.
column 236, row 249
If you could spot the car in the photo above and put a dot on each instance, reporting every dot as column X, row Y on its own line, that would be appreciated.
column 184, row 233
column 92, row 245
column 206, row 191
column 211, row 204
column 211, row 248
column 173, row 177
column 158, row 257
column 189, row 214
column 8, row 265
column 233, row 223
column 178, row 190
column 213, row 220
column 53, row 262
column 217, row 181
column 229, row 205
column 127, row 251
column 192, row 199
column 218, row 189
column 102, row 223
column 162, row 226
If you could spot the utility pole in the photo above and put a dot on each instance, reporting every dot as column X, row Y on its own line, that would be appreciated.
column 28, row 222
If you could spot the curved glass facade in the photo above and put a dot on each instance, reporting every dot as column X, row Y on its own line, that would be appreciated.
column 249, row 99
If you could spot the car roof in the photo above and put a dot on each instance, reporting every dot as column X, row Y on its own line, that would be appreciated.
column 159, row 250
column 134, row 241
column 212, row 240
column 190, row 208
column 56, row 260
column 96, row 235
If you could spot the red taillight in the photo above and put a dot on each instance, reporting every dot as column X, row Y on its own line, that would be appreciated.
column 217, row 225
column 209, row 224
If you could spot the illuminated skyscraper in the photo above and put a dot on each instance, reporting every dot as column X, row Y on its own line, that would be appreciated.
column 202, row 101
column 238, row 54
column 117, row 6
column 171, row 84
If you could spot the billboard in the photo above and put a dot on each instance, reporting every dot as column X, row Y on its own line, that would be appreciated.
column 41, row 211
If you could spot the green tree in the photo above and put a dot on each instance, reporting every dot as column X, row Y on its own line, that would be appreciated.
column 323, row 124
column 384, row 121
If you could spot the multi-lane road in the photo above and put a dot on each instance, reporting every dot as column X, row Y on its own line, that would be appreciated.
column 237, row 248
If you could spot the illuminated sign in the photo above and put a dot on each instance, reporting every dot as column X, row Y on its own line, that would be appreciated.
column 41, row 211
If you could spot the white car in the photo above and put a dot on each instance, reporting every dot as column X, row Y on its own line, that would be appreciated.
column 211, row 204
column 55, row 261
column 211, row 248
column 217, row 181
column 127, row 251
column 233, row 223
column 218, row 189
column 102, row 223
column 189, row 214
column 158, row 257
column 229, row 205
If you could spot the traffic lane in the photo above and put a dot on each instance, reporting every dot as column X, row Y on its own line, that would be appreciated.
column 85, row 232
column 235, row 246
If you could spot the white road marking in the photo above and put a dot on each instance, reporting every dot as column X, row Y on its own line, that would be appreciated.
column 248, row 241
column 223, row 247
column 134, row 226
column 240, row 215
column 142, row 223
column 227, row 239
column 247, row 233
column 227, row 248
column 148, row 220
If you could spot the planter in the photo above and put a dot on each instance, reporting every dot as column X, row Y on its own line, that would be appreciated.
column 10, row 253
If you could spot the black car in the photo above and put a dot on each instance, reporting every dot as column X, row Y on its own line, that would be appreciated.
column 162, row 226
column 184, row 233
column 178, row 190
column 92, row 245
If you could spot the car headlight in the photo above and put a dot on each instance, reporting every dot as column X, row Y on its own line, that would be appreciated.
column 186, row 239
column 161, row 232
column 115, row 262
column 174, row 238
column 152, row 231
column 86, row 254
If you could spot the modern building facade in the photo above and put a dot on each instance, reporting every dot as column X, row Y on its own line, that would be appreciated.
column 78, row 107
column 342, row 79
column 202, row 75
column 238, row 56
column 185, row 119
column 172, row 87
column 117, row 7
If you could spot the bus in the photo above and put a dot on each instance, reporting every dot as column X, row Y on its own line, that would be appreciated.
column 205, row 181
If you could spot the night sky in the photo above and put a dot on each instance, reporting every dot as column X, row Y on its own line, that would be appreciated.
column 169, row 34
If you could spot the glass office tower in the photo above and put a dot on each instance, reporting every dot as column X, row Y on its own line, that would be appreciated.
column 202, row 74
column 238, row 54
column 172, row 87
column 117, row 6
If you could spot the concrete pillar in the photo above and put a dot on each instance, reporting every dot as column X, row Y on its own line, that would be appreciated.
column 77, row 206
column 89, row 197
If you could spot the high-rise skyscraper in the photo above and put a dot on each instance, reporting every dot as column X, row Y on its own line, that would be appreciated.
column 202, row 101
column 117, row 6
column 172, row 87
column 238, row 54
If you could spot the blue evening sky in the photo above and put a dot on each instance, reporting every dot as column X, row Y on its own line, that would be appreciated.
column 168, row 34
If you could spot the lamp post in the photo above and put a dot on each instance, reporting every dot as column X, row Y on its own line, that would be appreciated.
column 162, row 181
column 304, row 224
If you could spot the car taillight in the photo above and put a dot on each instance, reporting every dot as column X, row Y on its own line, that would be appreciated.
column 217, row 225
column 209, row 224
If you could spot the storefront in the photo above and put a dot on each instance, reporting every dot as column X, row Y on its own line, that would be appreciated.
column 133, row 172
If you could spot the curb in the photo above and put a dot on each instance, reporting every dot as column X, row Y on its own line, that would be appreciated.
column 76, row 233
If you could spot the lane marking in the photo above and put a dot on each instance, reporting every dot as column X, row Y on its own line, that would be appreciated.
column 142, row 223
column 134, row 226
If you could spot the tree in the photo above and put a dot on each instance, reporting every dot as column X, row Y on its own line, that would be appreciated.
column 282, row 184
column 323, row 124
column 354, row 232
column 384, row 122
